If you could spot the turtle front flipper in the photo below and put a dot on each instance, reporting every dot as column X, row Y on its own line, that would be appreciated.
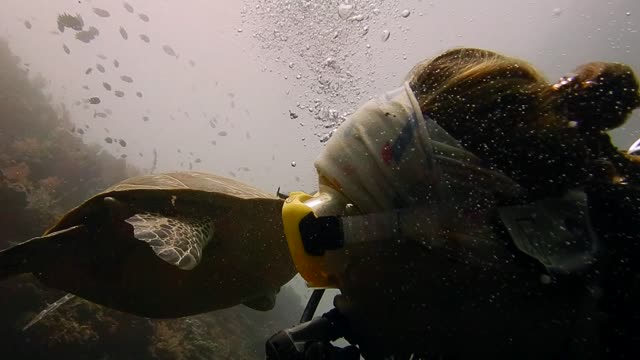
column 38, row 253
column 178, row 240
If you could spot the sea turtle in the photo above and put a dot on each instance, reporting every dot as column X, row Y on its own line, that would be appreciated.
column 164, row 246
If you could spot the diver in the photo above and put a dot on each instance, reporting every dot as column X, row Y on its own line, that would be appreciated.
column 475, row 210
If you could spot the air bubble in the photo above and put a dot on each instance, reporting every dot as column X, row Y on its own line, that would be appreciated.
column 293, row 164
column 384, row 36
column 345, row 11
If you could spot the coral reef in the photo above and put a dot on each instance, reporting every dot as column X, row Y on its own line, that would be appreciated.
column 46, row 169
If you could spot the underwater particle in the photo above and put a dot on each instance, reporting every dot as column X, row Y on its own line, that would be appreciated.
column 107, row 86
column 122, row 143
column 139, row 94
column 108, row 111
column 145, row 118
column 384, row 36
column 128, row 7
column 116, row 63
column 168, row 50
column 101, row 12
column 144, row 38
column 88, row 71
column 143, row 17
column 126, row 78
column 66, row 49
column 222, row 133
column 67, row 21
column 197, row 161
column 101, row 56
column 27, row 24
column 108, row 140
column 118, row 93
column 405, row 13
column 123, row 33
column 94, row 100
column 100, row 68
column 293, row 164
column 545, row 279
column 345, row 11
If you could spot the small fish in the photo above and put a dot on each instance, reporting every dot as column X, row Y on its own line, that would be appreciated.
column 80, row 131
column 85, row 87
column 128, row 7
column 106, row 86
column 108, row 111
column 94, row 100
column 88, row 35
column 116, row 63
column 143, row 17
column 101, row 56
column 123, row 33
column 292, row 115
column 88, row 71
column 124, row 156
column 222, row 133
column 126, row 78
column 27, row 24
column 99, row 115
column 197, row 161
column 139, row 94
column 144, row 38
column 101, row 12
column 119, row 93
column 192, row 63
column 100, row 68
column 122, row 143
column 145, row 118
column 168, row 50
column 66, row 49
column 67, row 21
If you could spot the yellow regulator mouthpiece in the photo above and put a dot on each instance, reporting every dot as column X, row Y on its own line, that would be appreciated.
column 313, row 268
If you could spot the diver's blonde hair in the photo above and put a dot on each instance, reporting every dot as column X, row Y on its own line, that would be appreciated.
column 466, row 85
